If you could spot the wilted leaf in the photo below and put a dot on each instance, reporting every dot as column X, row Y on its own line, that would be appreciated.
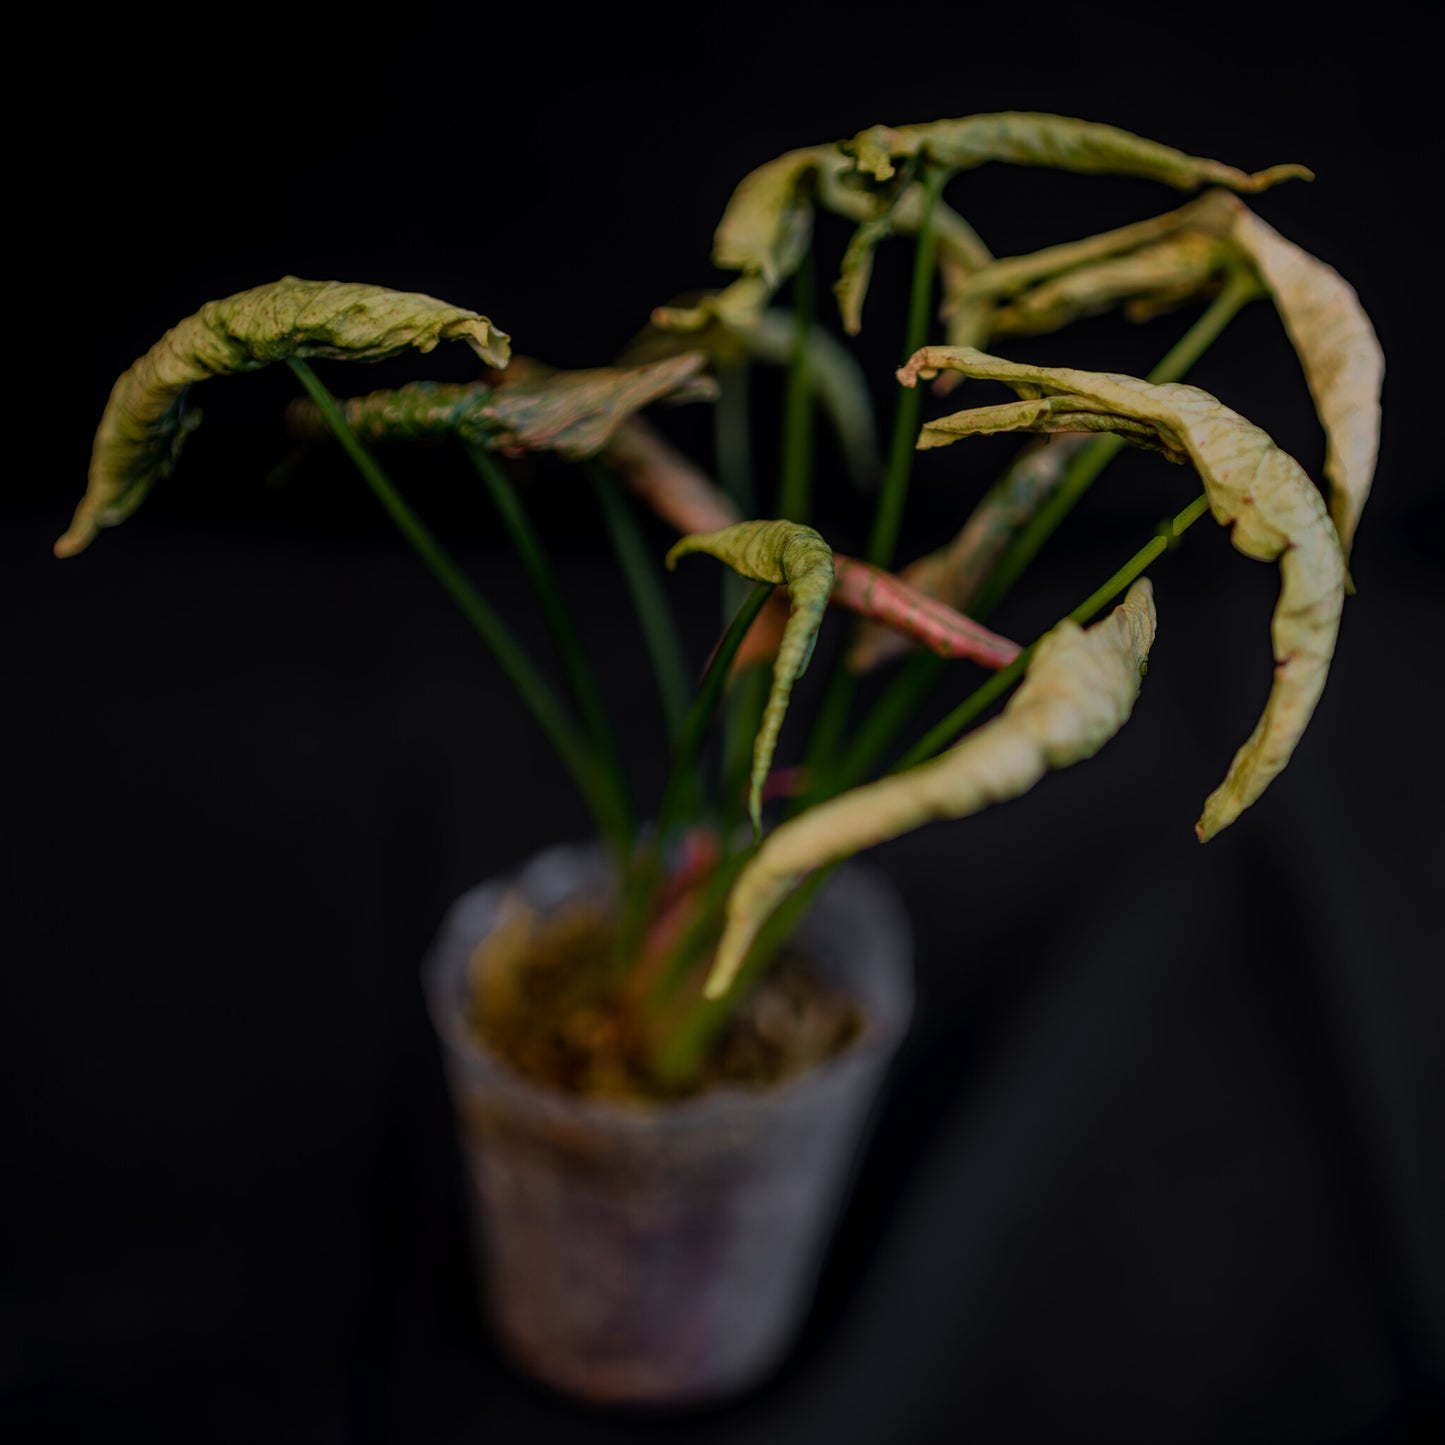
column 685, row 497
column 578, row 413
column 1275, row 512
column 1078, row 692
column 1337, row 348
column 574, row 413
column 1162, row 274
column 1028, row 138
column 144, row 424
column 797, row 557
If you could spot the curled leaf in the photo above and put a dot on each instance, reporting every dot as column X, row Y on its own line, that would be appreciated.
column 574, row 413
column 1029, row 138
column 1078, row 692
column 145, row 421
column 1162, row 274
column 797, row 557
column 1274, row 513
column 1337, row 348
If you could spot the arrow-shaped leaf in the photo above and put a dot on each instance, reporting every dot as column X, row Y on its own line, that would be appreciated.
column 145, row 421
column 1078, row 692
column 1273, row 509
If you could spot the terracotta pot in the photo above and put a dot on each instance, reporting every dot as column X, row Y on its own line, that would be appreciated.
column 667, row 1253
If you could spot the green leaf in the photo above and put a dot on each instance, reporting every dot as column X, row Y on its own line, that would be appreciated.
column 1077, row 693
column 1028, row 138
column 798, row 558
column 145, row 420
column 1274, row 511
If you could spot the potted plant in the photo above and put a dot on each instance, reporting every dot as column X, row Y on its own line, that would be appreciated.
column 662, row 1060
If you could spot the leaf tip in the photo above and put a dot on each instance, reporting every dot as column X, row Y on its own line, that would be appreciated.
column 74, row 541
column 1273, row 175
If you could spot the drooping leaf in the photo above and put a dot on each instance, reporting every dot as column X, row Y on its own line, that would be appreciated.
column 1274, row 512
column 1077, row 693
column 691, row 502
column 797, row 557
column 767, row 225
column 1337, row 348
column 145, row 420
column 1029, row 138
column 574, row 413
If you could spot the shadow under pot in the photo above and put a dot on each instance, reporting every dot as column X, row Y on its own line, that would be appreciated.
column 664, row 1253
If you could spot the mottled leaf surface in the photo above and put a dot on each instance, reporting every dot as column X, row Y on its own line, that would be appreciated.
column 798, row 558
column 574, row 413
column 145, row 420
column 1272, row 508
column 1077, row 693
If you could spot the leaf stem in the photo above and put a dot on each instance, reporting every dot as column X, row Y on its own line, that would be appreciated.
column 559, row 624
column 893, row 492
column 669, row 665
column 832, row 716
column 795, row 470
column 573, row 750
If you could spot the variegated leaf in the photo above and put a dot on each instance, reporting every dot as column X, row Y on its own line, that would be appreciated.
column 574, row 413
column 145, row 420
column 1078, row 692
column 798, row 558
column 1274, row 512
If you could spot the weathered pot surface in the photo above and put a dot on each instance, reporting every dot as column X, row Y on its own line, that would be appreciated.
column 656, row 1254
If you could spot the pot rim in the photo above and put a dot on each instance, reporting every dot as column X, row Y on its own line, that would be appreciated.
column 860, row 905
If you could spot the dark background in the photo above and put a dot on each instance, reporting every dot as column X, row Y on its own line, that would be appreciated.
column 1162, row 1159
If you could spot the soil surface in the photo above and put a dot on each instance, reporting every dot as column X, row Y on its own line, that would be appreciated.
column 547, row 997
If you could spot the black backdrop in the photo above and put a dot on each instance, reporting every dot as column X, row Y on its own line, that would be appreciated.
column 1162, row 1159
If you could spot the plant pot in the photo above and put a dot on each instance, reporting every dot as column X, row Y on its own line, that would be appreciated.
column 664, row 1253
